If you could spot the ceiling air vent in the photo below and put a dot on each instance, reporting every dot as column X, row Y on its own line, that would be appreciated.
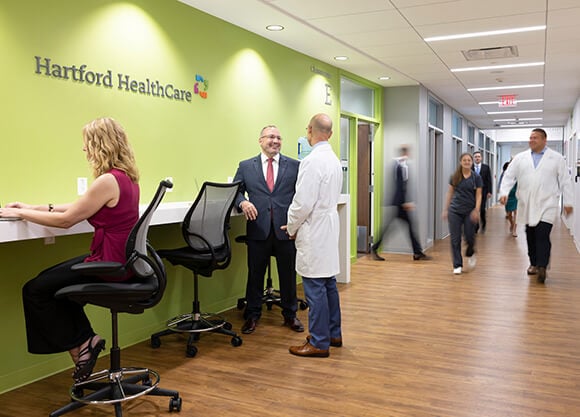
column 491, row 53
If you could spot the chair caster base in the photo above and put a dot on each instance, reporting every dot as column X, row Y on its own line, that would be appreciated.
column 196, row 324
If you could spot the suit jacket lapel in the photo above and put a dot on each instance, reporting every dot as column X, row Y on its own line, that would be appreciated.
column 282, row 165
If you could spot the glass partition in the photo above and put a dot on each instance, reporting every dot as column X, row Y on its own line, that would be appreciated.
column 356, row 98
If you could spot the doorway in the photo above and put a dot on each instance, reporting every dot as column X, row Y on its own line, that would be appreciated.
column 365, row 134
column 435, row 188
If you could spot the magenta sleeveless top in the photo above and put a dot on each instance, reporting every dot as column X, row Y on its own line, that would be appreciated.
column 113, row 224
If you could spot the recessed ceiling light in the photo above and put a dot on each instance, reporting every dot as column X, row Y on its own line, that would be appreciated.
column 275, row 28
column 505, row 87
column 532, row 100
column 341, row 58
column 514, row 111
column 489, row 33
column 384, row 77
column 494, row 67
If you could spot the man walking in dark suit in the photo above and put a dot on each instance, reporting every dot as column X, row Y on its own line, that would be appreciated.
column 269, row 181
column 403, row 207
column 485, row 173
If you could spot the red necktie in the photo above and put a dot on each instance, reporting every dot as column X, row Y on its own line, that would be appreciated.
column 270, row 175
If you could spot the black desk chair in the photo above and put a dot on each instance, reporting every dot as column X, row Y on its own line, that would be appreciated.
column 116, row 384
column 205, row 230
column 270, row 297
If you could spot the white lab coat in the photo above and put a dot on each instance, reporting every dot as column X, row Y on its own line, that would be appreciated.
column 313, row 215
column 540, row 188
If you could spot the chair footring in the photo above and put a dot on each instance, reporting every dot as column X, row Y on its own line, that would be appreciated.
column 115, row 387
column 205, row 322
column 126, row 384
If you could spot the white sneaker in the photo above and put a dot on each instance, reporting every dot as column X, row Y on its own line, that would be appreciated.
column 457, row 270
column 471, row 261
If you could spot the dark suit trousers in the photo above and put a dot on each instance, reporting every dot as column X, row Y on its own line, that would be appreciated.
column 482, row 210
column 539, row 245
column 404, row 216
column 259, row 253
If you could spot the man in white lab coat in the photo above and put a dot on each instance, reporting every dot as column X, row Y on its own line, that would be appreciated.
column 542, row 177
column 313, row 222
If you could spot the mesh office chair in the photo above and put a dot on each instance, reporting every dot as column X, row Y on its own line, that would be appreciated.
column 116, row 384
column 205, row 230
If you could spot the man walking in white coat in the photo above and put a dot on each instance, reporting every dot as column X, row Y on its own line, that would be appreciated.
column 313, row 222
column 542, row 178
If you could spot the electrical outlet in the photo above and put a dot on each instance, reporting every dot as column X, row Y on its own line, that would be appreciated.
column 170, row 179
column 81, row 185
column 49, row 240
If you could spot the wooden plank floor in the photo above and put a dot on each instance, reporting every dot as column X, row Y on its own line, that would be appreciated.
column 419, row 342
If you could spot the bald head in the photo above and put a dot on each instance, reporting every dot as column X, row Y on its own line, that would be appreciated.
column 319, row 128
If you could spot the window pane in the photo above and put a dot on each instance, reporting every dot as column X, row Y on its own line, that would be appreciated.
column 356, row 98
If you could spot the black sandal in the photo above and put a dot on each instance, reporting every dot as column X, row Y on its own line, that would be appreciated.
column 84, row 366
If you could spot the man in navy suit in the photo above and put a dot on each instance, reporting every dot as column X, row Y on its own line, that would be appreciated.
column 269, row 181
column 485, row 173
column 403, row 208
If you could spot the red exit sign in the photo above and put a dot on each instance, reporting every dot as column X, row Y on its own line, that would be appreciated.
column 508, row 101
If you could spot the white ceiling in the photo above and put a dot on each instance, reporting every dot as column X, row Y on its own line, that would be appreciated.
column 385, row 37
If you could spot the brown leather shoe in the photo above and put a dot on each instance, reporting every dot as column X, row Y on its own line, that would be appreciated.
column 249, row 326
column 334, row 341
column 541, row 274
column 294, row 324
column 308, row 350
column 532, row 270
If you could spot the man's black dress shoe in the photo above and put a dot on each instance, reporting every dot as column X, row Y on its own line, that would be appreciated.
column 421, row 257
column 376, row 256
column 249, row 326
column 294, row 324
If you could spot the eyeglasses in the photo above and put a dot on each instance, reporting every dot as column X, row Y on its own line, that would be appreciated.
column 272, row 137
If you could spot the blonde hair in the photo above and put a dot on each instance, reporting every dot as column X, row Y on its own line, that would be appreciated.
column 107, row 147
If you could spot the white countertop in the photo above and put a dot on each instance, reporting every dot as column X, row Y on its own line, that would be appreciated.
column 11, row 231
column 166, row 213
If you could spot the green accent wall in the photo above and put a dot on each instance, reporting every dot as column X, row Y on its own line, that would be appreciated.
column 252, row 82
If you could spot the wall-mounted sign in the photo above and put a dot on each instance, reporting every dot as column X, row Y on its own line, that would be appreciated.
column 148, row 87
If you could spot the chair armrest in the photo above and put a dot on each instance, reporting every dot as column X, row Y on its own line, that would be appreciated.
column 204, row 241
column 100, row 268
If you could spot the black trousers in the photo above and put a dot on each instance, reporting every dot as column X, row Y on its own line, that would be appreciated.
column 55, row 325
column 403, row 215
column 259, row 253
column 539, row 245
column 482, row 212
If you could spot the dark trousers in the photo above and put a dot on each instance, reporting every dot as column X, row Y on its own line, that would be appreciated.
column 403, row 215
column 482, row 212
column 259, row 253
column 55, row 325
column 457, row 223
column 539, row 245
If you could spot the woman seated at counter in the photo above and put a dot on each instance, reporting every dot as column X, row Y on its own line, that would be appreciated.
column 111, row 206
